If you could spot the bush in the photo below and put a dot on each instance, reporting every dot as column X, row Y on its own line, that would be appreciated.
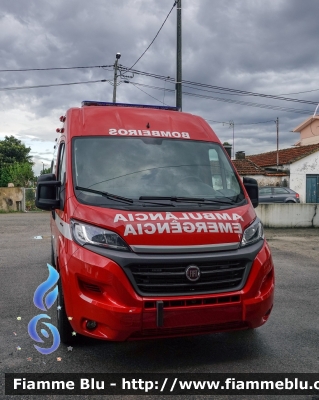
column 20, row 174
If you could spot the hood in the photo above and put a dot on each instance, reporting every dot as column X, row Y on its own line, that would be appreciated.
column 159, row 228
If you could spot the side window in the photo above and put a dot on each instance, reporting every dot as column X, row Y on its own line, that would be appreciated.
column 280, row 191
column 264, row 191
column 62, row 164
column 223, row 177
column 215, row 170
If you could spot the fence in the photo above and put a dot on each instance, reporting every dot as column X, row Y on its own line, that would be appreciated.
column 292, row 215
column 29, row 200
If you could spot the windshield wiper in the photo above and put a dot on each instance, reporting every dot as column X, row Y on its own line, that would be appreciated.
column 187, row 199
column 106, row 194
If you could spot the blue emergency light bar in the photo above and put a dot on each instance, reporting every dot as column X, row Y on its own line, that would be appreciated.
column 107, row 104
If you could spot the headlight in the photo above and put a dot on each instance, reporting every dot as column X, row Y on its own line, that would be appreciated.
column 89, row 234
column 253, row 233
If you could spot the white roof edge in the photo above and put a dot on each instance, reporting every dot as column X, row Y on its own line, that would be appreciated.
column 305, row 123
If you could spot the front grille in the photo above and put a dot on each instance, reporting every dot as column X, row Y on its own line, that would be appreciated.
column 215, row 276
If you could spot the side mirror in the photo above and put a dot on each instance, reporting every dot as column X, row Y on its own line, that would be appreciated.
column 46, row 193
column 251, row 187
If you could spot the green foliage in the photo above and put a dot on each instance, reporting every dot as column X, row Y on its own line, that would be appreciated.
column 13, row 150
column 20, row 174
column 15, row 163
column 30, row 200
column 45, row 171
column 5, row 176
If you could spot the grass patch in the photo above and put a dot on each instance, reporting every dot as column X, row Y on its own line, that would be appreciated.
column 10, row 212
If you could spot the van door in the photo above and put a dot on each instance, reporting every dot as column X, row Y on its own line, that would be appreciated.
column 58, row 214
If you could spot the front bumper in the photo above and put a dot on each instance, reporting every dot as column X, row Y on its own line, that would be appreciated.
column 97, row 289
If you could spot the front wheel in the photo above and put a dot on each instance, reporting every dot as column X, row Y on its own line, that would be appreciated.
column 64, row 326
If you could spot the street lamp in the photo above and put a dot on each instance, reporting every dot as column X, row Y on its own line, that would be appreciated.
column 118, row 56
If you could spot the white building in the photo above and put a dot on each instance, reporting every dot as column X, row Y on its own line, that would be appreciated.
column 300, row 164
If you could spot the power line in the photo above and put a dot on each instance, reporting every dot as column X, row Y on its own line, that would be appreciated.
column 227, row 90
column 154, row 37
column 147, row 93
column 240, row 102
column 54, row 68
column 251, row 123
column 250, row 104
column 233, row 91
column 51, row 85
column 199, row 86
column 306, row 91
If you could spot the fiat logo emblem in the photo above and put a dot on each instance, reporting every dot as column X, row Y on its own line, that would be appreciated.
column 192, row 273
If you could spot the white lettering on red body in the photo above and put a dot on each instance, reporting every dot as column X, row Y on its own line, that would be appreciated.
column 144, row 132
column 176, row 225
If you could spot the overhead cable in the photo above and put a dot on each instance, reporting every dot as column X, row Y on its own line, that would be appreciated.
column 148, row 94
column 240, row 102
column 54, row 68
column 154, row 37
column 51, row 85
column 227, row 90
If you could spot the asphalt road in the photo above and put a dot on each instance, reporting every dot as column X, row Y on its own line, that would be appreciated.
column 288, row 342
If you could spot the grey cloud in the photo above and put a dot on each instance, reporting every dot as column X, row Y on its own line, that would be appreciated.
column 266, row 47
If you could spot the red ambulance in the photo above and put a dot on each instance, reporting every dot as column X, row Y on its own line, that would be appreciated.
column 153, row 232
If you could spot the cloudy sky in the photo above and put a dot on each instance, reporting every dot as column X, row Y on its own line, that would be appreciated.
column 266, row 47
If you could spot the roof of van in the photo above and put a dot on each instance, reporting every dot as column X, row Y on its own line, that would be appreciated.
column 108, row 119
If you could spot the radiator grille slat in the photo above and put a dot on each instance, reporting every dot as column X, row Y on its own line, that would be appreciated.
column 166, row 278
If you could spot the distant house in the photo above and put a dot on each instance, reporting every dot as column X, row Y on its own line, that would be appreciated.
column 309, row 131
column 250, row 169
column 301, row 166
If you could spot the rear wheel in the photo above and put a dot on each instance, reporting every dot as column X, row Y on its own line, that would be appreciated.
column 290, row 201
column 64, row 326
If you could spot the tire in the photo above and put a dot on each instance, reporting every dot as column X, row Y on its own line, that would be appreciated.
column 290, row 201
column 64, row 327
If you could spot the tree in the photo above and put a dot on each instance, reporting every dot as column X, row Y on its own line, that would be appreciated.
column 20, row 174
column 13, row 150
column 15, row 162
column 45, row 171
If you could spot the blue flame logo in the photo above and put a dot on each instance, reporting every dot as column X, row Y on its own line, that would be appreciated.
column 44, row 287
column 34, row 335
column 45, row 301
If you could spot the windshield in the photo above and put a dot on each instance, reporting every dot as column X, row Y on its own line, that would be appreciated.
column 152, row 170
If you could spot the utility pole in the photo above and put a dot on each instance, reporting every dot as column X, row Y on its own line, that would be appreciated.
column 118, row 56
column 277, row 126
column 178, row 88
column 232, row 123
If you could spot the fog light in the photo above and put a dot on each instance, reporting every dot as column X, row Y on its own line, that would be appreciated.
column 90, row 325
